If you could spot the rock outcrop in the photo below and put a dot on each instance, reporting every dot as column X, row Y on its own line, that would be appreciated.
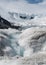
column 4, row 24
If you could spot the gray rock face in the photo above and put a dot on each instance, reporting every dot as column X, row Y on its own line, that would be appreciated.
column 4, row 24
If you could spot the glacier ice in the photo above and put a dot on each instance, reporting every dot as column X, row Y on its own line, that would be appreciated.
column 33, row 40
column 28, row 45
column 9, row 44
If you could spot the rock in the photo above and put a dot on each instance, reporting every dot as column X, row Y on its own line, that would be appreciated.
column 16, row 27
column 4, row 24
column 32, row 17
column 23, row 17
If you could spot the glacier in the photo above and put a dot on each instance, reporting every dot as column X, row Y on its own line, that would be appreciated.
column 27, row 45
